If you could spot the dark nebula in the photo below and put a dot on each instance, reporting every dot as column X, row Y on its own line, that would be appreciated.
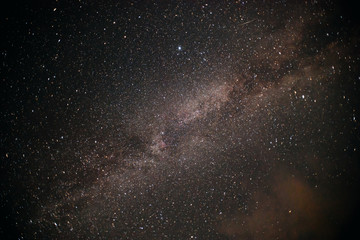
column 179, row 120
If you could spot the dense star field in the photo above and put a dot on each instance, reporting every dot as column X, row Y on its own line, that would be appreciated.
column 179, row 120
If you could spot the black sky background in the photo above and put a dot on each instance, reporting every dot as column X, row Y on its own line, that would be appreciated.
column 86, row 86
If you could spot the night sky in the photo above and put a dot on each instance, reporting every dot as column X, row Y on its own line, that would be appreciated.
column 179, row 120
